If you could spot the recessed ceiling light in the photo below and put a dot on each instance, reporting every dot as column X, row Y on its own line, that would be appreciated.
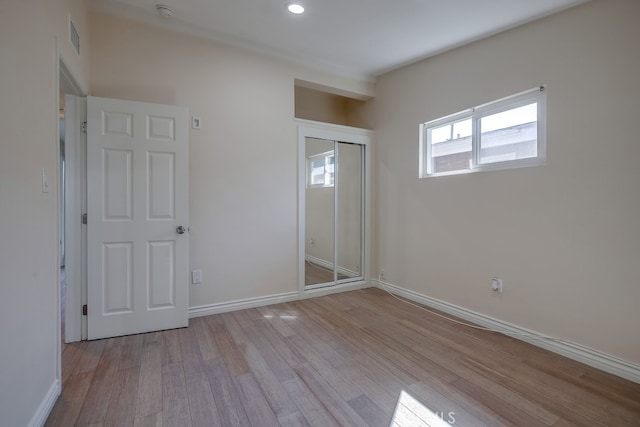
column 295, row 8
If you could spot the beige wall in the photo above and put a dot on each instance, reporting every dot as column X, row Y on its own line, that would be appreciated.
column 311, row 104
column 320, row 106
column 243, row 162
column 564, row 237
column 29, row 218
column 359, row 114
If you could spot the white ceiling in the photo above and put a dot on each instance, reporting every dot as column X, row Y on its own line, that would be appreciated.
column 356, row 38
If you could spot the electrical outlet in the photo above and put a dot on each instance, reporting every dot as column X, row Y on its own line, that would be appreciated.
column 196, row 277
column 496, row 285
column 381, row 276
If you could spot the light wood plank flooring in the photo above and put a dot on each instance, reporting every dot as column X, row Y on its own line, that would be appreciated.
column 353, row 359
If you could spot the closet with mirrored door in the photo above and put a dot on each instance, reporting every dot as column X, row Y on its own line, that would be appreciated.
column 333, row 208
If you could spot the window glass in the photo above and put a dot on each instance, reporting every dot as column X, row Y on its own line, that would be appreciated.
column 507, row 133
column 451, row 146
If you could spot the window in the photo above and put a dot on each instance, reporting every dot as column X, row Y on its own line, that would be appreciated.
column 508, row 133
column 321, row 170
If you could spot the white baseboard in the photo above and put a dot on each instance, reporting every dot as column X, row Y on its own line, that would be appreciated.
column 224, row 307
column 342, row 287
column 580, row 353
column 45, row 407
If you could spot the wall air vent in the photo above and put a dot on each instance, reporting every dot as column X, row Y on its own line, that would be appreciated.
column 74, row 37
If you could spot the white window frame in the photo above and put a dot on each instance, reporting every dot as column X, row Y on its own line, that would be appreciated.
column 537, row 95
column 325, row 156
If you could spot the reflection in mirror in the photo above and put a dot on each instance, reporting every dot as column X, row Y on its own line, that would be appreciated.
column 349, row 219
column 319, row 211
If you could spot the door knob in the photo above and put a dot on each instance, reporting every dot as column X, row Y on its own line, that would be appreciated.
column 180, row 229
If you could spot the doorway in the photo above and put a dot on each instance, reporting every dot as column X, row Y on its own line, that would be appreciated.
column 333, row 208
column 108, row 231
column 70, row 150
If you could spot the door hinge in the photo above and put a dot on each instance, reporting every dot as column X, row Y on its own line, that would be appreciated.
column 84, row 310
column 83, row 127
column 84, row 218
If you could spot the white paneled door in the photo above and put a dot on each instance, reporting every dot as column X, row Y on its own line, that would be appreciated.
column 137, row 226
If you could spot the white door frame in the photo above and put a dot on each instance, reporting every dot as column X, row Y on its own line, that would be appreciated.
column 69, row 84
column 308, row 128
column 75, row 231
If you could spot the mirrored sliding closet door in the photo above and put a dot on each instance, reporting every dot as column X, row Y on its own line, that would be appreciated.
column 333, row 209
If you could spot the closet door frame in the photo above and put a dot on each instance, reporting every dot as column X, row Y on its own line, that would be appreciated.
column 363, row 137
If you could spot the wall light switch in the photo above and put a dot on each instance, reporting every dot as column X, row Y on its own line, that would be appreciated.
column 195, row 122
column 196, row 277
column 45, row 181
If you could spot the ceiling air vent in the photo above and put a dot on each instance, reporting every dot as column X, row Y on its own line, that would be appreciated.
column 74, row 37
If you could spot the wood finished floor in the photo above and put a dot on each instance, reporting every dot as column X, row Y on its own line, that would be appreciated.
column 344, row 359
